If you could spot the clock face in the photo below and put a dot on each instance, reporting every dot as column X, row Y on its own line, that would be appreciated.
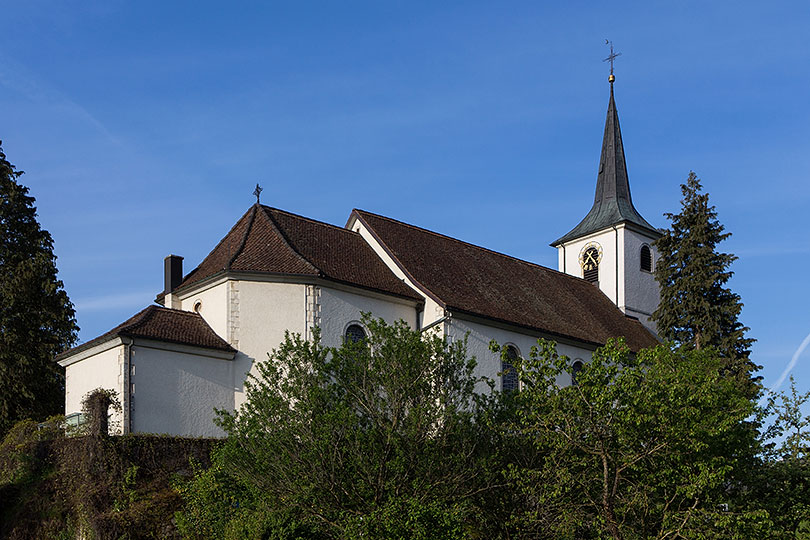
column 590, row 256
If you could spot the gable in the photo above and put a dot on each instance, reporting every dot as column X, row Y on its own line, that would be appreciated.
column 270, row 241
column 470, row 279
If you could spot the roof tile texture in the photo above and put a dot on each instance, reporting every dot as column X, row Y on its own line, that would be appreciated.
column 268, row 240
column 161, row 324
column 472, row 279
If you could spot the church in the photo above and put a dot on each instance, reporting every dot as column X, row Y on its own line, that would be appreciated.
column 190, row 352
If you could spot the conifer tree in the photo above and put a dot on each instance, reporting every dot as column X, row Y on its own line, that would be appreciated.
column 36, row 317
column 697, row 310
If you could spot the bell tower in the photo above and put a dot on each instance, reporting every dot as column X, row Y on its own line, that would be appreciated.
column 612, row 247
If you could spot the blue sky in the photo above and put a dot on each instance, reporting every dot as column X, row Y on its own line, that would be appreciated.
column 144, row 126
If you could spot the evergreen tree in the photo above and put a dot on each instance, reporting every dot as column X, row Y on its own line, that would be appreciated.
column 36, row 317
column 697, row 310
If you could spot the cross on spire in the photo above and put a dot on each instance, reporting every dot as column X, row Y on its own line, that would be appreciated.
column 610, row 59
column 257, row 192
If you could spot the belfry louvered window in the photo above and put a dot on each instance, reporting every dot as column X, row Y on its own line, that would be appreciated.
column 509, row 377
column 590, row 265
column 646, row 258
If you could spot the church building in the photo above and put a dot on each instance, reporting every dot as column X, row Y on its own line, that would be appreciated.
column 190, row 352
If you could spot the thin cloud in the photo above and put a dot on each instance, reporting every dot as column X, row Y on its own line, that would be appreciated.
column 792, row 364
column 115, row 301
column 15, row 77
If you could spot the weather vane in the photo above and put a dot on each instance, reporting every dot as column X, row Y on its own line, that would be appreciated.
column 257, row 192
column 610, row 59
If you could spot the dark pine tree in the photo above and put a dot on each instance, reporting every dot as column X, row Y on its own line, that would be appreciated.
column 36, row 317
column 697, row 310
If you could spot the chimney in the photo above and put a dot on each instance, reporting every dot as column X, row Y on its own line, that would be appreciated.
column 172, row 273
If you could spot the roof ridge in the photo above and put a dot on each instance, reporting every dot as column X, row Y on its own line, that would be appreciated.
column 309, row 219
column 238, row 250
column 175, row 310
column 500, row 254
column 221, row 241
column 286, row 239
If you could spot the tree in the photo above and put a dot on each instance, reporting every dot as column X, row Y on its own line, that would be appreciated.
column 380, row 438
column 36, row 317
column 641, row 446
column 697, row 310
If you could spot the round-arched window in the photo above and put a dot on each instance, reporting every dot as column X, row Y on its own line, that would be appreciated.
column 355, row 333
column 576, row 367
column 509, row 377
column 646, row 258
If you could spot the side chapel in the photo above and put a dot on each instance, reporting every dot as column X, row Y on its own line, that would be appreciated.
column 175, row 361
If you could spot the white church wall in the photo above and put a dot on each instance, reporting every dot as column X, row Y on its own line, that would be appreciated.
column 100, row 370
column 262, row 312
column 213, row 302
column 339, row 308
column 175, row 392
column 610, row 267
column 642, row 293
column 488, row 363
column 432, row 311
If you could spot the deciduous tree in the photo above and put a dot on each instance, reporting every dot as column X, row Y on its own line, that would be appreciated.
column 382, row 438
column 642, row 446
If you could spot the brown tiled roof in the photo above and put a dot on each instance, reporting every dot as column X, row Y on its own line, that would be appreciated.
column 161, row 324
column 467, row 278
column 267, row 240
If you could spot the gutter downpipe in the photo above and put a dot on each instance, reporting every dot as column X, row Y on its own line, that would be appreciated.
column 447, row 316
column 126, row 398
column 616, row 250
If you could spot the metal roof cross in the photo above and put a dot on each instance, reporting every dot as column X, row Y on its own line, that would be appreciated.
column 612, row 56
column 257, row 192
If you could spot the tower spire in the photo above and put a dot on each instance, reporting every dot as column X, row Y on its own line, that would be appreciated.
column 612, row 202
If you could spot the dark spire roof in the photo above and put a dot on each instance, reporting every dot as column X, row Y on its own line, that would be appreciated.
column 612, row 204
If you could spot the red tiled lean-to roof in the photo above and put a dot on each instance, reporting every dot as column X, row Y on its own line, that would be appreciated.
column 467, row 278
column 272, row 241
column 161, row 324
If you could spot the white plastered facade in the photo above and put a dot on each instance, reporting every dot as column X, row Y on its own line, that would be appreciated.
column 621, row 278
column 174, row 389
column 479, row 334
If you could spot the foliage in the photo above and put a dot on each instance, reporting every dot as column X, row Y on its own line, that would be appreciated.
column 375, row 437
column 36, row 317
column 18, row 448
column 53, row 486
column 96, row 406
column 697, row 310
column 642, row 446
column 790, row 426
column 781, row 484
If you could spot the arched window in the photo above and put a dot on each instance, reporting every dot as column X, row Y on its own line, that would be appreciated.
column 509, row 377
column 590, row 265
column 354, row 333
column 646, row 258
column 576, row 367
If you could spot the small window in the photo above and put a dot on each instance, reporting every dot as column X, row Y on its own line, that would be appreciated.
column 590, row 265
column 197, row 306
column 509, row 377
column 355, row 333
column 646, row 258
column 576, row 367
